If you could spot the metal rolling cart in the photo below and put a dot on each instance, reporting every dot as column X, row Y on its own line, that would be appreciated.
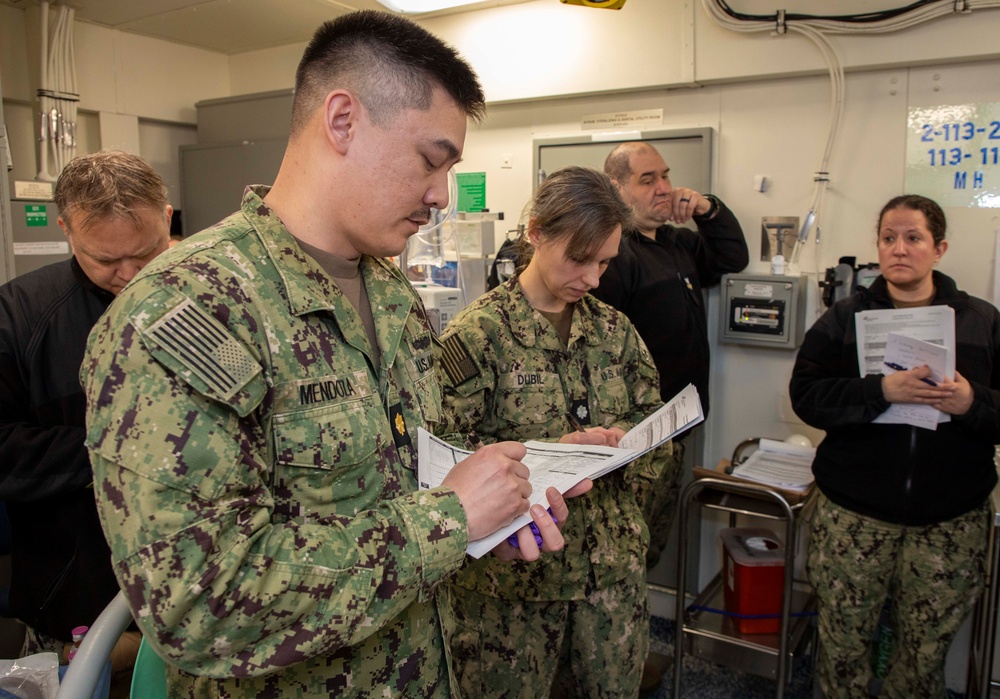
column 714, row 637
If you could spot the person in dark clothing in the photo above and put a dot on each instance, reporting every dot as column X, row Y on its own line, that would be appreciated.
column 661, row 269
column 657, row 281
column 903, row 511
column 115, row 213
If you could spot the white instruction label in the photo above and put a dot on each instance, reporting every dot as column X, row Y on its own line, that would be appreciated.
column 759, row 290
column 49, row 247
column 41, row 191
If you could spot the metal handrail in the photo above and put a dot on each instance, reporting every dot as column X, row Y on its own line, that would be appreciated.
column 84, row 672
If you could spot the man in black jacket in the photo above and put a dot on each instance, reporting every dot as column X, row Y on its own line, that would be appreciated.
column 657, row 281
column 114, row 210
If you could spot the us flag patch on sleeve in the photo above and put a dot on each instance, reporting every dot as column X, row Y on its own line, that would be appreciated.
column 457, row 362
column 202, row 345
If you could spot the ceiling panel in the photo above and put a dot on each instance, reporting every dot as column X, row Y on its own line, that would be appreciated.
column 228, row 26
column 234, row 26
column 116, row 12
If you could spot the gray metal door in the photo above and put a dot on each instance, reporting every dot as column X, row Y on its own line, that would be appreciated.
column 213, row 177
column 6, row 237
column 688, row 153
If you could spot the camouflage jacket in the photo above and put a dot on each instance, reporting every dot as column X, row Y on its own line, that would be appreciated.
column 506, row 375
column 255, row 475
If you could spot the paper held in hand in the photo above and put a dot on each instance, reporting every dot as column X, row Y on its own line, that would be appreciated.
column 907, row 337
column 563, row 465
column 902, row 353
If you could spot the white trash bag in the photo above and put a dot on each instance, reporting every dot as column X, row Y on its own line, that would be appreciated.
column 32, row 677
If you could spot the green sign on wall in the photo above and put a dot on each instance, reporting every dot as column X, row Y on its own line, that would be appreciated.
column 471, row 191
column 36, row 215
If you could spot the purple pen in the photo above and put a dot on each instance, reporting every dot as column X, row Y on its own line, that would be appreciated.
column 512, row 539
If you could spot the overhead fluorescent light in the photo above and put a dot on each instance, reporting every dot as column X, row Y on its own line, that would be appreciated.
column 413, row 7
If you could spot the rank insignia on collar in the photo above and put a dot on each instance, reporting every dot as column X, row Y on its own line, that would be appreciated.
column 398, row 423
column 581, row 411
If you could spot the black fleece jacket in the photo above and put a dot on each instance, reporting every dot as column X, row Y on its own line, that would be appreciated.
column 900, row 473
column 658, row 285
column 61, row 573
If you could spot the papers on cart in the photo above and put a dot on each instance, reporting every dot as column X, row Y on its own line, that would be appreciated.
column 787, row 466
column 563, row 465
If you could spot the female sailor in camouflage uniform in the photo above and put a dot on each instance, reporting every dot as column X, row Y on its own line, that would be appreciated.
column 902, row 511
column 515, row 362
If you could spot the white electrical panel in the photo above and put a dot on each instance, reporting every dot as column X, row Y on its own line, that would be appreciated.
column 763, row 310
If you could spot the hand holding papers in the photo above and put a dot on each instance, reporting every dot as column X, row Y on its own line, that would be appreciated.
column 559, row 465
column 908, row 338
column 563, row 465
column 904, row 353
column 681, row 412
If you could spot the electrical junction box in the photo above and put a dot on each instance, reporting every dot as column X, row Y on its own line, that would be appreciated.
column 38, row 239
column 763, row 310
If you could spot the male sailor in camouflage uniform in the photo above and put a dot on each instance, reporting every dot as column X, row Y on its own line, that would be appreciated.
column 253, row 401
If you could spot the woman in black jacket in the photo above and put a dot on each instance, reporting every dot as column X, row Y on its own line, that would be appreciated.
column 903, row 512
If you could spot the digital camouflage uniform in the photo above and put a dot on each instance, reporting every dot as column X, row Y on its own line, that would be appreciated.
column 255, row 475
column 933, row 575
column 661, row 502
column 506, row 375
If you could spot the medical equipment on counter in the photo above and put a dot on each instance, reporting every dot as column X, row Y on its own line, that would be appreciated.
column 844, row 279
column 449, row 259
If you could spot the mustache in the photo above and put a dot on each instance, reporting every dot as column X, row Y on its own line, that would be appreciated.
column 423, row 214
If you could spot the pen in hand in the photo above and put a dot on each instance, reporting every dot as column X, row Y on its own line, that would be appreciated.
column 574, row 423
column 900, row 367
column 473, row 441
column 476, row 443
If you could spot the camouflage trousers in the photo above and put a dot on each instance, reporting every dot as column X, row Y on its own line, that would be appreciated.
column 660, row 506
column 591, row 648
column 933, row 574
column 37, row 642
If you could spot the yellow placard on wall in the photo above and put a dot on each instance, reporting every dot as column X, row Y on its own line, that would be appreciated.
column 953, row 154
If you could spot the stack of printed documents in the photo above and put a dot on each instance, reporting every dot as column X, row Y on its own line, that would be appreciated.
column 563, row 465
column 898, row 339
column 778, row 464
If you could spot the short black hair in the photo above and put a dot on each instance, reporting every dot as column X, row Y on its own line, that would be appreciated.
column 388, row 62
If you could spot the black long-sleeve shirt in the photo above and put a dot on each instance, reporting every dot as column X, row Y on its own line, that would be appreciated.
column 658, row 285
column 61, row 573
column 893, row 472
